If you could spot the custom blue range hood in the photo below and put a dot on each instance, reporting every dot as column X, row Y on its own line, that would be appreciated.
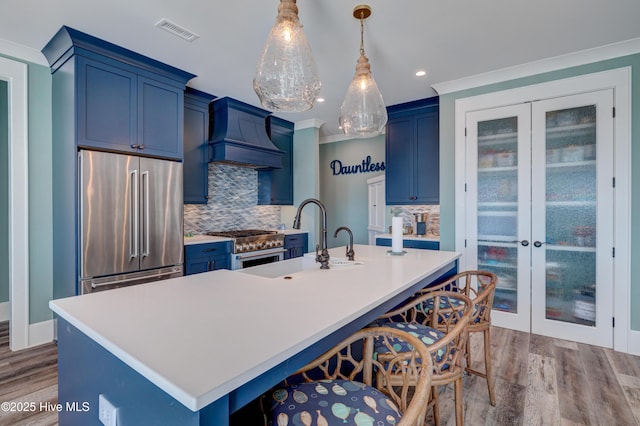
column 240, row 136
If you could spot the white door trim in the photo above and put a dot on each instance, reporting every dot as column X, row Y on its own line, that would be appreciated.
column 15, row 74
column 618, row 79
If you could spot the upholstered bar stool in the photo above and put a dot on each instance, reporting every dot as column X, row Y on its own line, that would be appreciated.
column 452, row 311
column 339, row 386
column 480, row 287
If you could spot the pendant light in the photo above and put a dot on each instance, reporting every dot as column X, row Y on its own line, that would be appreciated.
column 286, row 77
column 363, row 113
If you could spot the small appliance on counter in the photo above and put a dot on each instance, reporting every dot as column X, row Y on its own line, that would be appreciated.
column 421, row 223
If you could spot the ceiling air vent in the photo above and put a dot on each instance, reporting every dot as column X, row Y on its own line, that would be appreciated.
column 176, row 30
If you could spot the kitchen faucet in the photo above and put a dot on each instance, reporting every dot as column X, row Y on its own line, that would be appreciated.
column 350, row 253
column 322, row 257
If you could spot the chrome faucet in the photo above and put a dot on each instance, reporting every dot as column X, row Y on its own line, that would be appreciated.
column 322, row 257
column 350, row 253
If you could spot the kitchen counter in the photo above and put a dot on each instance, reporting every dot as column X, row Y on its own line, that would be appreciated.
column 413, row 237
column 214, row 341
column 202, row 239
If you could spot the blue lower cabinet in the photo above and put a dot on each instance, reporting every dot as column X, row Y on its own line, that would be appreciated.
column 295, row 245
column 207, row 257
column 425, row 245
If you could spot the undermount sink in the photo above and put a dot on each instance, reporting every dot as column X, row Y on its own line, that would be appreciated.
column 297, row 265
column 338, row 261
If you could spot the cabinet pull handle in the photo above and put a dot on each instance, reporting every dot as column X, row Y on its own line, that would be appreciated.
column 145, row 216
column 135, row 216
column 209, row 250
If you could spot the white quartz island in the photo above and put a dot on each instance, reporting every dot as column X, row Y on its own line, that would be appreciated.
column 191, row 350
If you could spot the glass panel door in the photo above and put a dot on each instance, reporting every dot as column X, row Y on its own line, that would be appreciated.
column 572, row 225
column 498, row 192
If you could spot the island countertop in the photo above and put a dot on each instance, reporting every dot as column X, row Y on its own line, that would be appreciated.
column 199, row 337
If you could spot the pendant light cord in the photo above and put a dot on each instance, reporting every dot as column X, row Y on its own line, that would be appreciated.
column 362, row 32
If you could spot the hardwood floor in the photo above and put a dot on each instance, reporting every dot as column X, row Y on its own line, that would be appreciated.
column 28, row 377
column 546, row 381
column 539, row 381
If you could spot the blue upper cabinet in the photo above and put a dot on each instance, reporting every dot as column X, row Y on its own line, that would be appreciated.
column 412, row 149
column 275, row 187
column 196, row 146
column 123, row 101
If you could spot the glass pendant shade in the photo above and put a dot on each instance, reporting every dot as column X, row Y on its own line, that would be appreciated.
column 363, row 113
column 286, row 77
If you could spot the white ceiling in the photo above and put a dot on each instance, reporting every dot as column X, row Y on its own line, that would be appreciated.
column 450, row 39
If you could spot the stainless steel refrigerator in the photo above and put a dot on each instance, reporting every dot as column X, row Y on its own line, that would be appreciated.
column 131, row 220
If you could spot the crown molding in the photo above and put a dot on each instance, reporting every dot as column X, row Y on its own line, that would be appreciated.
column 21, row 52
column 305, row 124
column 582, row 57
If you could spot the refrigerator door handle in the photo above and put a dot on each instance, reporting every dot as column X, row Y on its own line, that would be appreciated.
column 145, row 188
column 133, row 236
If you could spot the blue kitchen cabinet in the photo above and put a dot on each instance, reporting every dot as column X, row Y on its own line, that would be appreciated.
column 108, row 98
column 207, row 257
column 295, row 245
column 123, row 101
column 196, row 146
column 275, row 186
column 412, row 153
column 425, row 245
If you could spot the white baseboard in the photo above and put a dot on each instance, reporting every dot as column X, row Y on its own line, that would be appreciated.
column 634, row 342
column 41, row 333
column 5, row 311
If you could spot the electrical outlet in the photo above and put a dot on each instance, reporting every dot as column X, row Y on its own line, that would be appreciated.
column 107, row 412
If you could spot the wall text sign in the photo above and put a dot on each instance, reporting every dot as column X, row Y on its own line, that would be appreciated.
column 365, row 167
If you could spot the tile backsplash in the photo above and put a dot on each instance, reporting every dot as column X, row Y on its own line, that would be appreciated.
column 407, row 212
column 233, row 203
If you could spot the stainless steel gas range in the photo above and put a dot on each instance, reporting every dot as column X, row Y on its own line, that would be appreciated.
column 253, row 247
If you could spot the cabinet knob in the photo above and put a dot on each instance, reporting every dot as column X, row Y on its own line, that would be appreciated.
column 140, row 146
column 134, row 145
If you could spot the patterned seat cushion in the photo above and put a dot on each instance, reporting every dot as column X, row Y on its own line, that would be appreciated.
column 425, row 333
column 330, row 402
column 445, row 303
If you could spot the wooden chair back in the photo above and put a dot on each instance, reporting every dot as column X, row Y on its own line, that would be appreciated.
column 354, row 359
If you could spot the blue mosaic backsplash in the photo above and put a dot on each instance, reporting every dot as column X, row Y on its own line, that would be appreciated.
column 232, row 205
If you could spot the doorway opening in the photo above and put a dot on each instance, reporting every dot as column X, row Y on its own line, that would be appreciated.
column 4, row 201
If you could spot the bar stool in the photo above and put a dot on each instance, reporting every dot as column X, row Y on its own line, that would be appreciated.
column 446, row 343
column 480, row 287
column 339, row 386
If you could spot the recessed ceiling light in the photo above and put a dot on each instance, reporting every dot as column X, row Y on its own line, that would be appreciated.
column 421, row 73
column 320, row 99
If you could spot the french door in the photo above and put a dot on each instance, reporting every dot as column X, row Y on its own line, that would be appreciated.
column 540, row 213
